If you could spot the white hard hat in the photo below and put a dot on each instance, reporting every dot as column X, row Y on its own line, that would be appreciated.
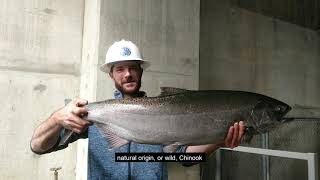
column 122, row 51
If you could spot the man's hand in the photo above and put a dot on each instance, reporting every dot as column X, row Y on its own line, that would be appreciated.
column 47, row 133
column 234, row 136
column 69, row 116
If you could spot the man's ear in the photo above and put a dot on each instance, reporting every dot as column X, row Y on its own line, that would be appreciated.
column 141, row 69
column 111, row 75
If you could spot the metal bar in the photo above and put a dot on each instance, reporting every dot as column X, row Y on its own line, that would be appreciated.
column 269, row 152
column 218, row 165
column 312, row 158
column 265, row 158
column 312, row 166
column 55, row 175
column 55, row 172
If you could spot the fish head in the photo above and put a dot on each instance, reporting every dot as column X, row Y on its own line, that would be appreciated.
column 267, row 114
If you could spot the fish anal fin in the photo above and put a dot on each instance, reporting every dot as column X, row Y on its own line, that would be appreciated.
column 170, row 148
column 113, row 140
column 171, row 90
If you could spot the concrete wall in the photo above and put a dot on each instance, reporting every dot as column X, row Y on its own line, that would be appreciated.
column 243, row 50
column 40, row 57
column 167, row 33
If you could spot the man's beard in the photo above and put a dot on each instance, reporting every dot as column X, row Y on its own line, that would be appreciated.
column 124, row 91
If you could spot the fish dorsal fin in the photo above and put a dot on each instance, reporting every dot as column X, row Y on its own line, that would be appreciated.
column 171, row 90
column 113, row 140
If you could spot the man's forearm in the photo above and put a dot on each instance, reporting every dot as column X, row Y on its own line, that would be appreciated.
column 232, row 140
column 45, row 136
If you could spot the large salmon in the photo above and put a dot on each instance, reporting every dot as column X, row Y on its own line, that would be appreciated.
column 184, row 117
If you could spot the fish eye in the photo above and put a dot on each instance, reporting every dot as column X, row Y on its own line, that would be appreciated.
column 278, row 108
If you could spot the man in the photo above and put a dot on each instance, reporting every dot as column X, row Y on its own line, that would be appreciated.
column 125, row 66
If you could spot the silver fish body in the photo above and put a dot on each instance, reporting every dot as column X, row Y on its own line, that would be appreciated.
column 183, row 117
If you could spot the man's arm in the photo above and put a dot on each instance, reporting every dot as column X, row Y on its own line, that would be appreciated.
column 232, row 140
column 48, row 133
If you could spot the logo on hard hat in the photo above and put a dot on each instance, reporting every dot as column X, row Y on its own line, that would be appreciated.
column 125, row 51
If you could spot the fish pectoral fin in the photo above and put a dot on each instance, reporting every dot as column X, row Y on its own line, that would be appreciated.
column 171, row 90
column 113, row 140
column 170, row 148
column 249, row 132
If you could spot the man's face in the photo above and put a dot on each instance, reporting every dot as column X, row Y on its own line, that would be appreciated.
column 127, row 76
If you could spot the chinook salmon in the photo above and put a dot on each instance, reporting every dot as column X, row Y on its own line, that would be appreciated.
column 184, row 117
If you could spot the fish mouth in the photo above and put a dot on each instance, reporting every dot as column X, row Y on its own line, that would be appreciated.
column 287, row 110
column 282, row 118
column 286, row 120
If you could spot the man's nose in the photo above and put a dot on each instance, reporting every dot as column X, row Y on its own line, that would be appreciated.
column 127, row 72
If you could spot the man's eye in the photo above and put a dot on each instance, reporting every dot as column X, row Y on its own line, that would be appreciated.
column 133, row 67
column 119, row 70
